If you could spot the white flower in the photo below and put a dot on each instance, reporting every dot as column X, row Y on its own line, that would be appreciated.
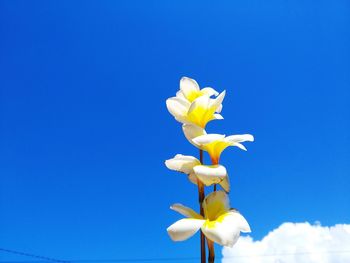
column 194, row 106
column 214, row 144
column 189, row 90
column 220, row 224
column 207, row 174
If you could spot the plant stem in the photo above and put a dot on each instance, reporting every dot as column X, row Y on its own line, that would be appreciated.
column 201, row 198
column 211, row 256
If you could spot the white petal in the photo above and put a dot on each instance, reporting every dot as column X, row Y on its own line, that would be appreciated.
column 208, row 138
column 185, row 157
column 192, row 131
column 242, row 222
column 218, row 116
column 178, row 107
column 219, row 108
column 209, row 91
column 199, row 112
column 240, row 146
column 184, row 228
column 210, row 174
column 186, row 211
column 188, row 85
column 236, row 140
column 182, row 163
column 201, row 102
column 180, row 95
column 226, row 230
column 240, row 138
column 218, row 100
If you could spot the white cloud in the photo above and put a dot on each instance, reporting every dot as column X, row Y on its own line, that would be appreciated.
column 294, row 243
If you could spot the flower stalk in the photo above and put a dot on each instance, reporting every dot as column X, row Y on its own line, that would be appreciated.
column 201, row 196
column 211, row 256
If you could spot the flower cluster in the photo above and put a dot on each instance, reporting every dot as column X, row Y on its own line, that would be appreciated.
column 194, row 108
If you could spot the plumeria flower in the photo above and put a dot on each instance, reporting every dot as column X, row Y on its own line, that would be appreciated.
column 192, row 105
column 214, row 144
column 207, row 174
column 189, row 90
column 220, row 223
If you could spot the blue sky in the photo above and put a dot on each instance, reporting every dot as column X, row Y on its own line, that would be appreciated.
column 84, row 130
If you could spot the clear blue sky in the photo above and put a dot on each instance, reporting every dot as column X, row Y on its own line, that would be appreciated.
column 84, row 130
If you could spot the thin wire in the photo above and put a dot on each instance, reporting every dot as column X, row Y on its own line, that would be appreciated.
column 114, row 260
column 42, row 259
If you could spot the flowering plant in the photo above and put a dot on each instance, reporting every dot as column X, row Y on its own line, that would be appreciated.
column 216, row 220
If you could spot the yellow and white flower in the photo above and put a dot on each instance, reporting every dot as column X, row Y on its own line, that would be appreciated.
column 194, row 105
column 189, row 90
column 207, row 174
column 214, row 144
column 220, row 223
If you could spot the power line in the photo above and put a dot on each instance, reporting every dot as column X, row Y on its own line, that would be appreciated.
column 196, row 258
column 119, row 260
column 42, row 259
